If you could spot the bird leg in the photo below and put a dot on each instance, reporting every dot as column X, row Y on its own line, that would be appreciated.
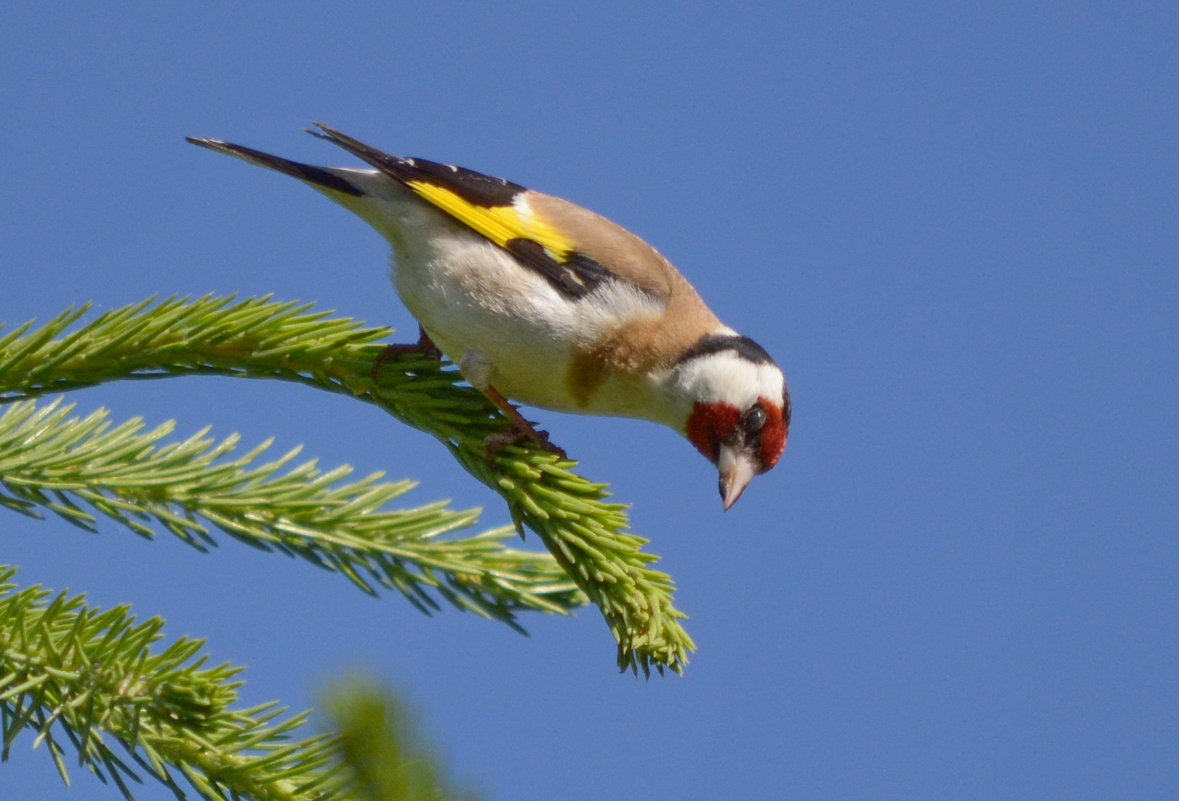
column 521, row 428
column 476, row 367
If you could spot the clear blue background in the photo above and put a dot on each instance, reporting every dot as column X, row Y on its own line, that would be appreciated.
column 954, row 224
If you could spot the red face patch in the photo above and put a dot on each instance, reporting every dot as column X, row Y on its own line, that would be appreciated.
column 773, row 435
column 710, row 423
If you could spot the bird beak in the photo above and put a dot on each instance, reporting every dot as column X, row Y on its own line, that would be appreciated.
column 736, row 470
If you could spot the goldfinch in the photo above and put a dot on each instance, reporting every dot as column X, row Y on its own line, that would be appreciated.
column 546, row 303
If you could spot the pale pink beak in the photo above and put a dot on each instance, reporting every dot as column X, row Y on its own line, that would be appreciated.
column 736, row 471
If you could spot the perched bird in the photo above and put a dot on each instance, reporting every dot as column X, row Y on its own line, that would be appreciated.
column 543, row 302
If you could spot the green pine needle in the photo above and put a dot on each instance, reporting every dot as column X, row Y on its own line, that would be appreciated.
column 96, row 682
column 383, row 758
column 80, row 467
column 260, row 338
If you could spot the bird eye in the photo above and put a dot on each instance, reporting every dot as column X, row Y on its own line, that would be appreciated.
column 753, row 420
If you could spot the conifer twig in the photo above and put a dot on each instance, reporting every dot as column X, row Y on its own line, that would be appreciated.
column 86, row 679
column 80, row 467
column 261, row 338
column 382, row 757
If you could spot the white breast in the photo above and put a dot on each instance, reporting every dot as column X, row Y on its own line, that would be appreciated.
column 470, row 294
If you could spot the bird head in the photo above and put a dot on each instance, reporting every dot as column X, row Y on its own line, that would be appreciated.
column 740, row 408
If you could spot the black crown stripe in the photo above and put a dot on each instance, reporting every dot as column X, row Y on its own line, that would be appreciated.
column 744, row 347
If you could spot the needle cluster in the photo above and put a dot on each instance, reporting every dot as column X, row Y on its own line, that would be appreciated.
column 96, row 682
column 80, row 467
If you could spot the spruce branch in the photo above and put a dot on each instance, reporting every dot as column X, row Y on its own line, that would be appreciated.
column 67, row 465
column 381, row 754
column 260, row 338
column 91, row 680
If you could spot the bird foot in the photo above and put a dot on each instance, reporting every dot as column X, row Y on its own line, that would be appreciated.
column 521, row 429
column 499, row 440
column 423, row 347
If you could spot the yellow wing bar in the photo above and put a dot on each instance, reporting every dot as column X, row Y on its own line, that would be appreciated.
column 500, row 224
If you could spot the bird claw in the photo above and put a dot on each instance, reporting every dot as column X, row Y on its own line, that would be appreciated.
column 424, row 347
column 501, row 439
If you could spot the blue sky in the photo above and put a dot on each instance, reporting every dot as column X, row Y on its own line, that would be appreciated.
column 954, row 225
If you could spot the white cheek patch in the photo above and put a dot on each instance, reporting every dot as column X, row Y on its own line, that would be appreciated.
column 727, row 378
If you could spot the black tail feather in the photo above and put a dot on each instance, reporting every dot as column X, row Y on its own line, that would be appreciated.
column 304, row 172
